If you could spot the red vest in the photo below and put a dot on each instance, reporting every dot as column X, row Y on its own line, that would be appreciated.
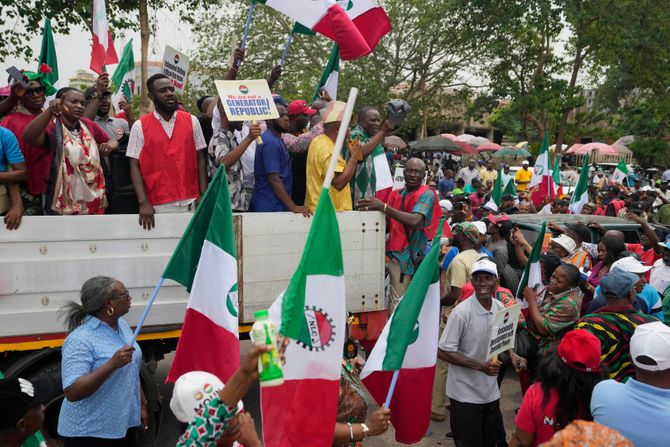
column 169, row 166
column 397, row 236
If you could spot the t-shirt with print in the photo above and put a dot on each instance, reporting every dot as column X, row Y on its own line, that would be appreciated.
column 364, row 181
column 222, row 142
column 533, row 417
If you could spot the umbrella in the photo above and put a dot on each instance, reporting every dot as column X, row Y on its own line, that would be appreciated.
column 553, row 147
column 621, row 149
column 624, row 141
column 522, row 145
column 451, row 136
column 512, row 152
column 602, row 148
column 466, row 148
column 435, row 143
column 574, row 148
column 489, row 147
column 394, row 142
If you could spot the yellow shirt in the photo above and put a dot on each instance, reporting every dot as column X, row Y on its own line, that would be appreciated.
column 486, row 175
column 523, row 175
column 318, row 158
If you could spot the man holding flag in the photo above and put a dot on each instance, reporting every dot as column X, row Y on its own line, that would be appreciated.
column 369, row 133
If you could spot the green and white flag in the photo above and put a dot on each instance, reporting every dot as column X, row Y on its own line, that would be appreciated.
column 532, row 274
column 621, row 173
column 510, row 189
column 312, row 312
column 497, row 194
column 330, row 77
column 48, row 62
column 580, row 196
column 205, row 263
column 124, row 77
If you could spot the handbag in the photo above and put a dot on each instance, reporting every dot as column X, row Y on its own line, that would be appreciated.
column 525, row 345
column 5, row 203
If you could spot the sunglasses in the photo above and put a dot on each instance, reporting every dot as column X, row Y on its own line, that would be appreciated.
column 34, row 91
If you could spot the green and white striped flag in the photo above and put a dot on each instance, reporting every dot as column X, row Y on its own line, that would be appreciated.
column 532, row 274
column 581, row 194
column 331, row 74
column 621, row 173
column 124, row 77
column 497, row 194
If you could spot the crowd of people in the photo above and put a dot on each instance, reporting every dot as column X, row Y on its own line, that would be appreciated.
column 593, row 342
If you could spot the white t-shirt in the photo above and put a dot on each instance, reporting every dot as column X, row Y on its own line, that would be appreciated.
column 660, row 276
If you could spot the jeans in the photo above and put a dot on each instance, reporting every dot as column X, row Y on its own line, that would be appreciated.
column 474, row 425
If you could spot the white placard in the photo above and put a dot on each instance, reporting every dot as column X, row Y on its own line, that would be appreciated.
column 175, row 66
column 503, row 329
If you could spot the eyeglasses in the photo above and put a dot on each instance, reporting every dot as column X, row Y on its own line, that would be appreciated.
column 34, row 91
column 125, row 295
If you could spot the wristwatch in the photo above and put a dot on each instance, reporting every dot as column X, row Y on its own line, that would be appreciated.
column 365, row 429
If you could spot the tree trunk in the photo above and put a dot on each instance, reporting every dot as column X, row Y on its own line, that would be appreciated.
column 144, row 68
column 563, row 126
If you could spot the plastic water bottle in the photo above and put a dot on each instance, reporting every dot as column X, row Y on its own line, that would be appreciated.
column 263, row 333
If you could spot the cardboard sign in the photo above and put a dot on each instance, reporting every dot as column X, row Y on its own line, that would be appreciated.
column 503, row 329
column 247, row 100
column 175, row 67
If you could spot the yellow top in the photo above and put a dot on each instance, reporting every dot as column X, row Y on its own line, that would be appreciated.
column 486, row 175
column 523, row 175
column 318, row 159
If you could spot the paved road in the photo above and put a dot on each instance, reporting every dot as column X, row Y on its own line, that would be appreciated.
column 169, row 431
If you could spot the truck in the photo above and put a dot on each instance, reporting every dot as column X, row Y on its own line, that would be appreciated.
column 44, row 263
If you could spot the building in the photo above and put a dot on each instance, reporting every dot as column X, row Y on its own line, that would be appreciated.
column 82, row 79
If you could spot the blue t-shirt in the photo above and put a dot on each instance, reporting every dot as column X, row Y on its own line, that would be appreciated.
column 271, row 158
column 638, row 411
column 648, row 301
column 445, row 186
column 9, row 149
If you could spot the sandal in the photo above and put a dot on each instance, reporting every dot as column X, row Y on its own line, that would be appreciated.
column 436, row 417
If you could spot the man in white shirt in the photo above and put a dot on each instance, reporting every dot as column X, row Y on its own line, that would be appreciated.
column 468, row 173
column 659, row 277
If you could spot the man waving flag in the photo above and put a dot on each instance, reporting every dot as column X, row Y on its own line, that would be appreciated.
column 409, row 343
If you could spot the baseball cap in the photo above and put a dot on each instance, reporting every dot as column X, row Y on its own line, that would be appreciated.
column 580, row 350
column 651, row 340
column 618, row 282
column 481, row 226
column 566, row 242
column 446, row 204
column 495, row 219
column 666, row 243
column 18, row 395
column 279, row 100
column 485, row 265
column 525, row 162
column 190, row 393
column 491, row 206
column 300, row 107
column 333, row 112
column 631, row 265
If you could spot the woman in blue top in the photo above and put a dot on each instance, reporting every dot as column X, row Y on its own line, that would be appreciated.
column 101, row 372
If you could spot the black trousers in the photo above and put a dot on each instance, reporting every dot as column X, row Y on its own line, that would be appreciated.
column 130, row 440
column 474, row 425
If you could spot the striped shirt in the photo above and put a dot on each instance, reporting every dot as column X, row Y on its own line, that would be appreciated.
column 614, row 327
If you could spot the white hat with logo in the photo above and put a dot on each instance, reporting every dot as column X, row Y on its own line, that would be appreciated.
column 192, row 391
column 650, row 346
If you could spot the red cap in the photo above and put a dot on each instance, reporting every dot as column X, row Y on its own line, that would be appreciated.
column 580, row 350
column 495, row 219
column 299, row 107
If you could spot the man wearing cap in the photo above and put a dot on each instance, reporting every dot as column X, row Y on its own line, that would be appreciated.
column 615, row 323
column 564, row 246
column 640, row 408
column 98, row 102
column 22, row 409
column 505, row 176
column 369, row 134
column 472, row 387
column 599, row 180
column 523, row 177
column 272, row 170
column 318, row 159
column 457, row 274
column 660, row 273
column 413, row 216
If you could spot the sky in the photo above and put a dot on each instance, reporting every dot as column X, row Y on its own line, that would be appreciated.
column 74, row 50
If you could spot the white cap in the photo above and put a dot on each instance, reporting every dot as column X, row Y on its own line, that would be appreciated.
column 646, row 188
column 446, row 204
column 630, row 264
column 192, row 391
column 485, row 265
column 491, row 205
column 525, row 162
column 481, row 226
column 651, row 340
column 566, row 242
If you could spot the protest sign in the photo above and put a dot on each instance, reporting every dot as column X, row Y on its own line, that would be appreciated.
column 247, row 100
column 399, row 178
column 175, row 67
column 503, row 329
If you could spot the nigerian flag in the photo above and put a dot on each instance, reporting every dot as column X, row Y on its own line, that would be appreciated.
column 330, row 76
column 408, row 343
column 510, row 188
column 124, row 76
column 580, row 195
column 312, row 312
column 621, row 173
column 205, row 263
column 497, row 194
column 48, row 62
column 532, row 274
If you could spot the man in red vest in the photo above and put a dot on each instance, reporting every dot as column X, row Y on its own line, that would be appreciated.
column 413, row 216
column 168, row 167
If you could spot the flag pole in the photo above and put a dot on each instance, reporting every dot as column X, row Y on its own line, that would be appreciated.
column 394, row 380
column 246, row 28
column 146, row 310
column 341, row 134
column 286, row 47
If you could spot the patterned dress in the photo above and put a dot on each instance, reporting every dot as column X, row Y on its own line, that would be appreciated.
column 364, row 182
column 560, row 313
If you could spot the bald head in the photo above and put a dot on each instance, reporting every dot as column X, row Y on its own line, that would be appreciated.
column 415, row 163
column 415, row 171
column 616, row 234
